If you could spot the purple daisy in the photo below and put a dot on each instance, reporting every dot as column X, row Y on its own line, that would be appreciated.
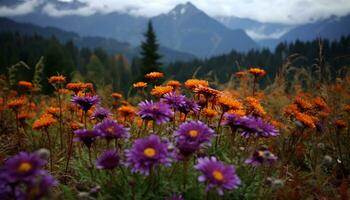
column 174, row 100
column 23, row 177
column 39, row 188
column 101, row 113
column 189, row 106
column 191, row 136
column 217, row 175
column 159, row 112
column 110, row 129
column 250, row 126
column 260, row 157
column 108, row 160
column 147, row 153
column 23, row 166
column 86, row 136
column 87, row 102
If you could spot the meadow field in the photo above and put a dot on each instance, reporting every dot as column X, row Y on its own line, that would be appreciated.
column 166, row 139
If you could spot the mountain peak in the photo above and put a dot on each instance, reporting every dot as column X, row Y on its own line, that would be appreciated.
column 184, row 9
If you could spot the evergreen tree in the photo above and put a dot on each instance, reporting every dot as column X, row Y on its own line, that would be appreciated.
column 149, row 52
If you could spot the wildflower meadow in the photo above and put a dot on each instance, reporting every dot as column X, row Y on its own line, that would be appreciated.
column 176, row 140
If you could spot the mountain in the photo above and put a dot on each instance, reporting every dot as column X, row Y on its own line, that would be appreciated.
column 185, row 28
column 122, row 27
column 332, row 28
column 255, row 29
column 188, row 29
column 112, row 46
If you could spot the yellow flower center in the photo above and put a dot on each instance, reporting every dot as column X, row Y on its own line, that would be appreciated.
column 110, row 130
column 149, row 152
column 261, row 153
column 24, row 167
column 193, row 133
column 218, row 175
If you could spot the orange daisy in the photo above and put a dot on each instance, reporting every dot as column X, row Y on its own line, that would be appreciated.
column 140, row 85
column 116, row 95
column 193, row 83
column 161, row 90
column 44, row 121
column 257, row 71
column 228, row 103
column 154, row 75
column 57, row 79
column 25, row 84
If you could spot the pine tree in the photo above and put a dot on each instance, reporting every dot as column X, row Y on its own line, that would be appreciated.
column 149, row 52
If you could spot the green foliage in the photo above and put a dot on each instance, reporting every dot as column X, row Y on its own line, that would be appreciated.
column 38, row 73
column 13, row 70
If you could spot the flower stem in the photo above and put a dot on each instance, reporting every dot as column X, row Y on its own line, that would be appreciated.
column 50, row 147
column 70, row 148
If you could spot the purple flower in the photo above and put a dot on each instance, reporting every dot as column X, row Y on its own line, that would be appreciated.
column 159, row 112
column 174, row 100
column 110, row 129
column 108, row 160
column 217, row 175
column 87, row 102
column 23, row 177
column 147, row 153
column 250, row 126
column 39, row 188
column 23, row 166
column 191, row 136
column 86, row 136
column 189, row 106
column 101, row 113
column 261, row 156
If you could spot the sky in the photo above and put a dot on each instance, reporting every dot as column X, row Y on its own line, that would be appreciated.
column 279, row 11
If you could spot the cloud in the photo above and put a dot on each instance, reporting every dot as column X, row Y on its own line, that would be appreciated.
column 280, row 11
column 26, row 7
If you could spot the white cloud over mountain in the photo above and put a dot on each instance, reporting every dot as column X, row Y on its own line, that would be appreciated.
column 280, row 11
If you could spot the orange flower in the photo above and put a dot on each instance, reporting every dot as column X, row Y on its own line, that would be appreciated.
column 193, row 83
column 23, row 115
column 173, row 83
column 88, row 86
column 255, row 105
column 154, row 75
column 117, row 95
column 207, row 91
column 347, row 108
column 139, row 85
column 257, row 71
column 126, row 111
column 239, row 112
column 340, row 123
column 291, row 110
column 305, row 119
column 228, row 103
column 75, row 86
column 17, row 103
column 320, row 103
column 44, row 121
column 161, row 90
column 63, row 91
column 209, row 113
column 241, row 74
column 303, row 104
column 57, row 79
column 53, row 110
column 25, row 84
